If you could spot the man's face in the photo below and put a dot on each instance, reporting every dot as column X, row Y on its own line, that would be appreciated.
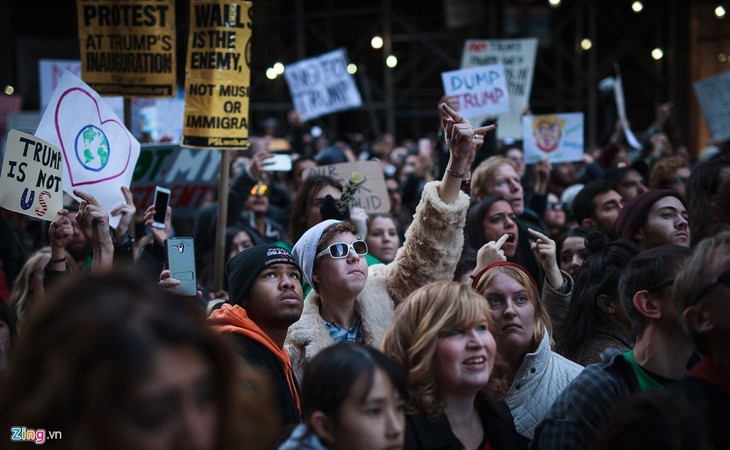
column 547, row 136
column 608, row 206
column 666, row 224
column 276, row 298
column 631, row 185
column 505, row 183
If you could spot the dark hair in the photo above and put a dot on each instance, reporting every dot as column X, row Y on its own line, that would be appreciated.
column 475, row 220
column 704, row 183
column 331, row 374
column 646, row 270
column 466, row 264
column 570, row 232
column 303, row 202
column 584, row 206
column 96, row 338
column 231, row 233
column 599, row 275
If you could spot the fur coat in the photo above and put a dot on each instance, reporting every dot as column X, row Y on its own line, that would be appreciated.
column 430, row 252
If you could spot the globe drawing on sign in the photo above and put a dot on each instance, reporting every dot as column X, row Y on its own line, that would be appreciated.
column 92, row 148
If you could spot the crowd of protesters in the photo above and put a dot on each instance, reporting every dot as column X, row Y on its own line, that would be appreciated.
column 495, row 306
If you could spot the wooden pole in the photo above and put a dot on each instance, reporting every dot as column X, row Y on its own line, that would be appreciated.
column 220, row 229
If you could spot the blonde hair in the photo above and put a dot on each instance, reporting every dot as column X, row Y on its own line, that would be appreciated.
column 419, row 322
column 485, row 170
column 543, row 323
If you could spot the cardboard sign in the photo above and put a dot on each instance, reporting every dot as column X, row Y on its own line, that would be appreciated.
column 480, row 91
column 518, row 58
column 557, row 137
column 189, row 174
column 372, row 195
column 128, row 48
column 713, row 94
column 218, row 74
column 99, row 153
column 322, row 85
column 30, row 182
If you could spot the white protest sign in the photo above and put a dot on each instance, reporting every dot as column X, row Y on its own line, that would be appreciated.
column 50, row 72
column 372, row 195
column 30, row 182
column 713, row 94
column 618, row 92
column 480, row 91
column 557, row 137
column 518, row 58
column 322, row 85
column 99, row 153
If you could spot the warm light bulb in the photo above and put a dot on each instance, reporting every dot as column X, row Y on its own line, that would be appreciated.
column 554, row 3
column 657, row 53
column 271, row 73
column 586, row 44
column 278, row 68
column 720, row 11
column 351, row 69
column 376, row 42
column 637, row 6
column 391, row 61
column 9, row 90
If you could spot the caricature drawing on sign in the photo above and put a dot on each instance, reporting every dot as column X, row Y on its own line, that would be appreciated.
column 547, row 131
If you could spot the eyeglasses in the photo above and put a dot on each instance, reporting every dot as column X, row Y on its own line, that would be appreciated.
column 556, row 206
column 259, row 189
column 341, row 250
column 723, row 278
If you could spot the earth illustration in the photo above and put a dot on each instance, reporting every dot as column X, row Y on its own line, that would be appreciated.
column 92, row 148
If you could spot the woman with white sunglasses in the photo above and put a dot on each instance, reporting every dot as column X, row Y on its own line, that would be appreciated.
column 353, row 302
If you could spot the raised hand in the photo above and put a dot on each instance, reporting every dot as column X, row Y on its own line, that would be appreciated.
column 490, row 253
column 544, row 249
column 159, row 234
column 127, row 210
column 60, row 234
column 93, row 222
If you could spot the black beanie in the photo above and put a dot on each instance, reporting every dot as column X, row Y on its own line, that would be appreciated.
column 242, row 269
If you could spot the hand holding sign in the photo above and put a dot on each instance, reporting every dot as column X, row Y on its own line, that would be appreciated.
column 93, row 222
column 60, row 234
column 544, row 249
column 490, row 253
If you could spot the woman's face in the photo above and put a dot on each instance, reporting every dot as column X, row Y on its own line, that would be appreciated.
column 514, row 314
column 464, row 359
column 240, row 242
column 313, row 215
column 344, row 276
column 383, row 240
column 377, row 423
column 500, row 220
column 572, row 255
column 175, row 405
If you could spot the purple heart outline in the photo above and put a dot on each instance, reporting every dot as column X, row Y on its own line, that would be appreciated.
column 101, row 123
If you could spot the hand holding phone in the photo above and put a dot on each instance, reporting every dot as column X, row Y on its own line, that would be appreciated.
column 180, row 259
column 162, row 200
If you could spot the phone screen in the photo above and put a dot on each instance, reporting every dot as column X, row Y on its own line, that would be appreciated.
column 161, row 200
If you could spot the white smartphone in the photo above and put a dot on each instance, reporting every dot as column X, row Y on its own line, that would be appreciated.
column 162, row 200
column 280, row 162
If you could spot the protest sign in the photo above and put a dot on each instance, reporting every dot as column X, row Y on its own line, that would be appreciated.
column 518, row 58
column 713, row 94
column 322, row 85
column 480, row 91
column 128, row 48
column 98, row 152
column 30, row 182
column 618, row 92
column 218, row 74
column 372, row 195
column 557, row 137
column 190, row 174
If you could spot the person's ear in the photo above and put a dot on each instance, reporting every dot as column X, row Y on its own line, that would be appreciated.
column 315, row 277
column 605, row 304
column 698, row 320
column 588, row 223
column 639, row 235
column 646, row 305
column 322, row 426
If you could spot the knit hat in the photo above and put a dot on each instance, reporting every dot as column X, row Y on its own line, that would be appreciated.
column 242, row 269
column 305, row 250
column 634, row 212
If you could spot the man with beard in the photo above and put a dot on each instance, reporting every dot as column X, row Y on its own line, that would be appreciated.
column 654, row 218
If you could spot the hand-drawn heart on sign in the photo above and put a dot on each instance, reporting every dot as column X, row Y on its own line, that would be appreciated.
column 99, row 153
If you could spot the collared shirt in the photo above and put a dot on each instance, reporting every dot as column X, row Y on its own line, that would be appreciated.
column 340, row 334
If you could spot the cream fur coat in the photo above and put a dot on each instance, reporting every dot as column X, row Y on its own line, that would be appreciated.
column 430, row 252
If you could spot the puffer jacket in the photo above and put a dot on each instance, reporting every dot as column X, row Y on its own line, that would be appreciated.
column 540, row 379
column 430, row 252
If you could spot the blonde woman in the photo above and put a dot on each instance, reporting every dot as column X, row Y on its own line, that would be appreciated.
column 443, row 340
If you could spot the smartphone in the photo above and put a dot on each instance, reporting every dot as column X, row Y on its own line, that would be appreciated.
column 162, row 200
column 280, row 162
column 180, row 259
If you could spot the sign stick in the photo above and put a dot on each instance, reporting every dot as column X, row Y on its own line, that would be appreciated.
column 220, row 229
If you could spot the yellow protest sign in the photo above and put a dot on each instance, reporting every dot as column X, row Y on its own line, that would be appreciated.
column 128, row 46
column 30, row 182
column 218, row 74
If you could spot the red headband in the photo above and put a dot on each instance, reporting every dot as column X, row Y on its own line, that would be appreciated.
column 475, row 282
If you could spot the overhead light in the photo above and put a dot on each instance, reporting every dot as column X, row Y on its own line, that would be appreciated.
column 278, row 68
column 351, row 69
column 657, row 53
column 720, row 11
column 637, row 6
column 271, row 73
column 722, row 57
column 391, row 61
column 376, row 42
column 586, row 44
column 9, row 90
column 554, row 3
